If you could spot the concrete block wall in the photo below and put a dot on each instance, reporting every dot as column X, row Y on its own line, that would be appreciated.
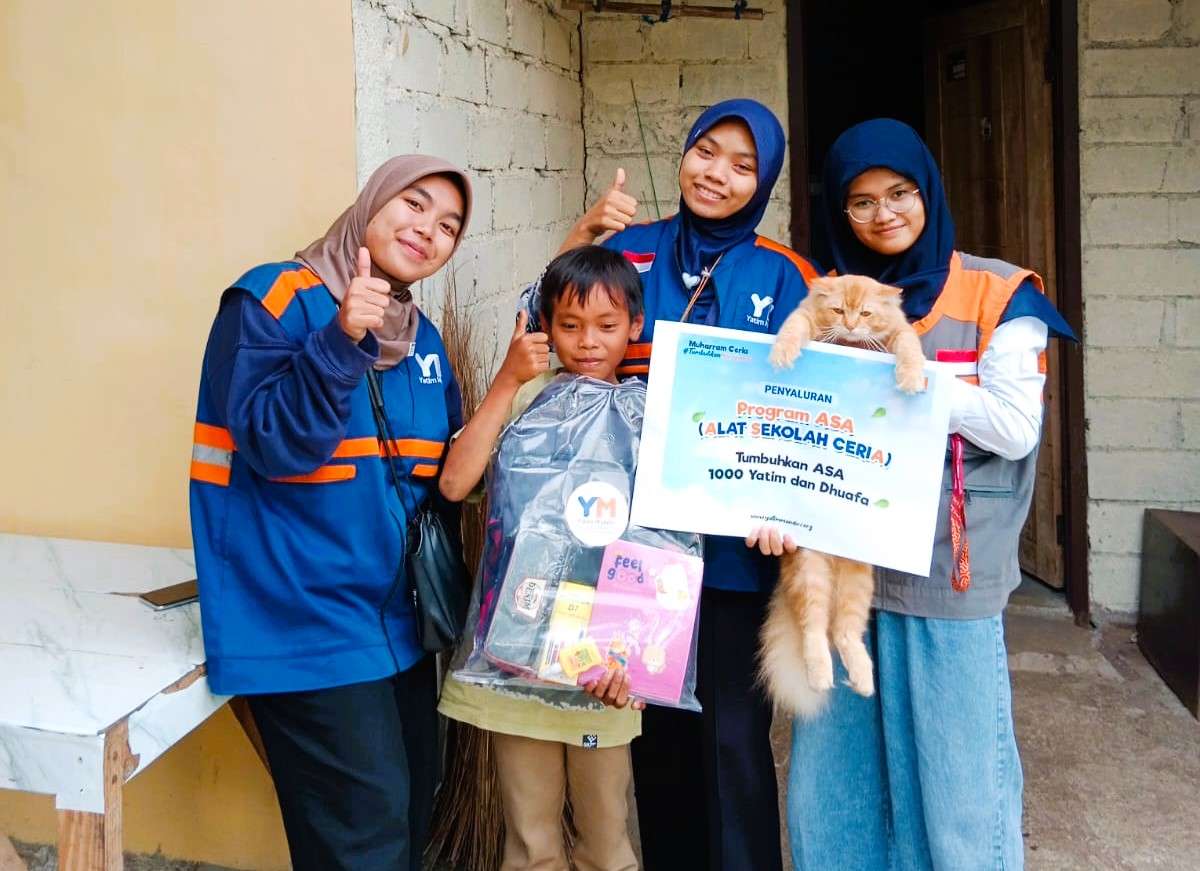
column 1140, row 120
column 493, row 85
column 679, row 68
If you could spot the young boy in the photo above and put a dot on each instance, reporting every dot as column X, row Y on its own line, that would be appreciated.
column 591, row 298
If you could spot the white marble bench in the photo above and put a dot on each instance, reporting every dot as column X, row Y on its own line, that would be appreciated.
column 94, row 685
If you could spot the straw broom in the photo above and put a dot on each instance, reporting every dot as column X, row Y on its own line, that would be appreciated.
column 467, row 830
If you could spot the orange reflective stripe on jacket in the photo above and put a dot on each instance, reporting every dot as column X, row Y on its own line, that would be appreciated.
column 637, row 359
column 415, row 448
column 418, row 449
column 212, row 436
column 367, row 446
column 210, row 473
column 212, row 454
column 323, row 475
column 284, row 290
column 213, row 449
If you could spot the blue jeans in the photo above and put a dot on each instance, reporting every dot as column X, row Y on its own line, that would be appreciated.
column 925, row 773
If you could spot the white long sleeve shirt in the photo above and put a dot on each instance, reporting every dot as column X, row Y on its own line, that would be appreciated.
column 1003, row 414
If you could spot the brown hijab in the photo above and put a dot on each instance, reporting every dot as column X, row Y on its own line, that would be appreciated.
column 333, row 256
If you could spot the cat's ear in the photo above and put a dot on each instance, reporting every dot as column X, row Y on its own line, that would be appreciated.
column 821, row 286
column 888, row 290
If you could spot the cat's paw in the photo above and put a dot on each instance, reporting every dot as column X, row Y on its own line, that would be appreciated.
column 860, row 671
column 910, row 379
column 783, row 353
column 861, row 679
column 820, row 672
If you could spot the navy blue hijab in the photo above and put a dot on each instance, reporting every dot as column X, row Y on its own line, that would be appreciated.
column 702, row 240
column 920, row 271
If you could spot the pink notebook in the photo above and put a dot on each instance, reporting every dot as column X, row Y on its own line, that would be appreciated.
column 643, row 618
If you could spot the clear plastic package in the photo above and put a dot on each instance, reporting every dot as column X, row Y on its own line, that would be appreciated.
column 566, row 587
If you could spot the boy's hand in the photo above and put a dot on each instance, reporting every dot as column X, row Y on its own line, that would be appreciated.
column 365, row 300
column 771, row 541
column 528, row 353
column 613, row 690
column 613, row 211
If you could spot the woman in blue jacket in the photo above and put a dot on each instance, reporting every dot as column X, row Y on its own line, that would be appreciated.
column 299, row 530
column 707, row 265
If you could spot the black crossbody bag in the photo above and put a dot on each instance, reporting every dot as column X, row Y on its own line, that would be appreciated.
column 437, row 573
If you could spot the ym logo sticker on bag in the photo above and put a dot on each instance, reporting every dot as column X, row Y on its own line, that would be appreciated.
column 762, row 304
column 431, row 368
column 597, row 513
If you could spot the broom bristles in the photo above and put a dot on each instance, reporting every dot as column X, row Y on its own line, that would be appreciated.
column 462, row 351
column 468, row 821
column 467, row 830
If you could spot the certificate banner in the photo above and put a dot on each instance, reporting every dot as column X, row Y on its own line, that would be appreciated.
column 829, row 451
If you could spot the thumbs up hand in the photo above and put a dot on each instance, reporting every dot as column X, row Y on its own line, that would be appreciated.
column 365, row 301
column 528, row 353
column 614, row 210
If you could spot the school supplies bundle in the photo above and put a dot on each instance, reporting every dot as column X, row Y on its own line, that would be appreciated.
column 566, row 587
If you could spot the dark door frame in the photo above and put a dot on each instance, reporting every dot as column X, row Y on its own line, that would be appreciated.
column 1062, row 66
column 798, row 163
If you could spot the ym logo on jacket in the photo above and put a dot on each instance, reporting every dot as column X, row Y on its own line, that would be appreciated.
column 431, row 368
column 762, row 307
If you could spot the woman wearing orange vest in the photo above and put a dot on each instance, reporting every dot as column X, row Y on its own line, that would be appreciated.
column 925, row 773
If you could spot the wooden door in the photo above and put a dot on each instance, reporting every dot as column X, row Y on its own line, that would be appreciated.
column 988, row 114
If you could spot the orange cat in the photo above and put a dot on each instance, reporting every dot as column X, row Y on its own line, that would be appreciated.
column 858, row 311
column 822, row 598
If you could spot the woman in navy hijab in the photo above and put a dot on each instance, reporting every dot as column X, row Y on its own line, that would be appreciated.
column 925, row 774
column 705, row 783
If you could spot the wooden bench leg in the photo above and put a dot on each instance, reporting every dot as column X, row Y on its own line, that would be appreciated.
column 80, row 841
column 95, row 842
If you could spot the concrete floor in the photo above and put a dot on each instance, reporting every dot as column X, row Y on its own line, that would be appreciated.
column 1111, row 758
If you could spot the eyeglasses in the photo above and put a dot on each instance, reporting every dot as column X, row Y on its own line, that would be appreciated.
column 863, row 210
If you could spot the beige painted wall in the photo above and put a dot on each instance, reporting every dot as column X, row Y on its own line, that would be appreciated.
column 149, row 152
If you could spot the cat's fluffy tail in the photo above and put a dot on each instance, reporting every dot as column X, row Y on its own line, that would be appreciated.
column 781, row 667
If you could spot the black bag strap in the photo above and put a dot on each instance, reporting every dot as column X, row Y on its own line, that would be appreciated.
column 375, row 392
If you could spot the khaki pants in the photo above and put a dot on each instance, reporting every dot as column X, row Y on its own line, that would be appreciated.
column 535, row 778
